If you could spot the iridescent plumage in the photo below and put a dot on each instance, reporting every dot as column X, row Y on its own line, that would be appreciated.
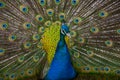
column 30, row 33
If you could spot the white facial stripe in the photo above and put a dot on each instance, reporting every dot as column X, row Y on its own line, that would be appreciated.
column 62, row 32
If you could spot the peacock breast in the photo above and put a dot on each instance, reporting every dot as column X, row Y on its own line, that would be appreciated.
column 61, row 67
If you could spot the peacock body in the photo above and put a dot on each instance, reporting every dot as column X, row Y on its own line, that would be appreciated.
column 61, row 68
column 34, row 43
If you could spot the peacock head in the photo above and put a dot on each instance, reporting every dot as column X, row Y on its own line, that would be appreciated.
column 65, row 30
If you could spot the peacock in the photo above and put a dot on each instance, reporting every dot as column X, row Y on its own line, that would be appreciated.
column 59, row 39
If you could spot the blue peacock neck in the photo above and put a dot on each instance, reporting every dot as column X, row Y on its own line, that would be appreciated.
column 62, row 41
column 62, row 37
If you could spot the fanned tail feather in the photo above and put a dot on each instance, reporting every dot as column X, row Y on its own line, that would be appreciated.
column 95, row 31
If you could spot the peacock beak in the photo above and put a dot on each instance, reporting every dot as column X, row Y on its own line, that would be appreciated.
column 68, row 34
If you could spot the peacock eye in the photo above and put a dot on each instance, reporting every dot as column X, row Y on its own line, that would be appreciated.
column 74, row 2
column 76, row 55
column 42, row 2
column 39, row 18
column 12, row 76
column 22, row 73
column 57, row 2
column 118, row 31
column 3, row 26
column 24, row 9
column 94, row 30
column 117, row 72
column 30, row 72
column 6, row 75
column 90, row 53
column 61, row 16
column 86, row 68
column 36, row 37
column 103, row 14
column 2, row 51
column 81, row 40
column 48, row 23
column 41, row 29
column 50, row 12
column 27, row 26
column 73, row 33
column 78, row 64
column 95, row 68
column 35, row 58
column 109, row 43
column 2, row 4
column 12, row 38
column 27, row 44
column 106, row 69
column 21, row 59
column 77, row 20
